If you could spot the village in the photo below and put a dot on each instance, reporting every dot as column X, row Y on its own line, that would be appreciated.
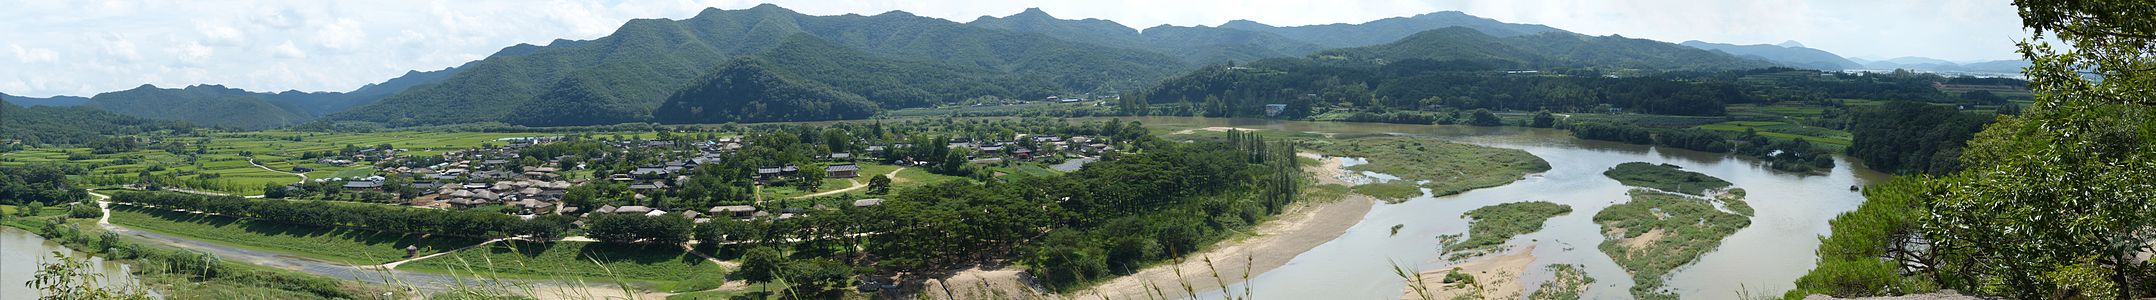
column 502, row 178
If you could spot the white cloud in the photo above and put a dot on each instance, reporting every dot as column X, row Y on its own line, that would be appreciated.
column 288, row 50
column 219, row 34
column 34, row 55
column 337, row 46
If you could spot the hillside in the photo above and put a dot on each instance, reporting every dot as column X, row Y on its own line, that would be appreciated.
column 646, row 60
column 206, row 105
column 1391, row 29
column 1460, row 68
column 1789, row 54
column 1193, row 45
column 316, row 104
column 1545, row 51
column 746, row 91
column 51, row 101
column 36, row 125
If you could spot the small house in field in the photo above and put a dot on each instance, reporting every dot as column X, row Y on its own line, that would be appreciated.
column 767, row 174
column 868, row 202
column 362, row 185
column 843, row 171
column 632, row 210
column 735, row 211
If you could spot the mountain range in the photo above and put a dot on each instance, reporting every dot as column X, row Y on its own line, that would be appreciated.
column 2011, row 66
column 1788, row 53
column 894, row 60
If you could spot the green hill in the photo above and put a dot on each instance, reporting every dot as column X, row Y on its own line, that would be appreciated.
column 1546, row 51
column 1462, row 68
column 746, row 91
column 67, row 125
column 646, row 60
column 1391, row 29
column 207, row 105
column 1797, row 56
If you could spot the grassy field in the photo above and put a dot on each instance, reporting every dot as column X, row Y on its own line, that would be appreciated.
column 1446, row 168
column 668, row 267
column 1658, row 232
column 1391, row 191
column 358, row 247
column 919, row 177
column 1493, row 225
column 1664, row 177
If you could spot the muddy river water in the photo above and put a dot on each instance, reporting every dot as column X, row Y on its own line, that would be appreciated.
column 21, row 252
column 1764, row 258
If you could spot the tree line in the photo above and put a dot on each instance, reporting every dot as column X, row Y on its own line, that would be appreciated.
column 382, row 218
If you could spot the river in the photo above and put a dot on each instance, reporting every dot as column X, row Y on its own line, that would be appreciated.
column 1764, row 258
column 22, row 251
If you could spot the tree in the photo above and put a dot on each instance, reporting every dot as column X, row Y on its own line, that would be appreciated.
column 761, row 265
column 2055, row 203
column 273, row 190
column 1483, row 117
column 810, row 178
column 815, row 276
column 879, row 185
column 1543, row 119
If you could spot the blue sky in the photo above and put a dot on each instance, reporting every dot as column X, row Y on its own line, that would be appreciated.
column 87, row 47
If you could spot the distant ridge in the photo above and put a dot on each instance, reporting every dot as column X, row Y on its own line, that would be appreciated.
column 1788, row 53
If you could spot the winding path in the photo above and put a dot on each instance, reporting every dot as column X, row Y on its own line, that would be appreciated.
column 302, row 176
column 856, row 186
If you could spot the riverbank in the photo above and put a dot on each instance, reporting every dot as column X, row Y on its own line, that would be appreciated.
column 1303, row 226
column 1496, row 277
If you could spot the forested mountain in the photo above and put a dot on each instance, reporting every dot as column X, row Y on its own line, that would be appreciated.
column 217, row 105
column 646, row 60
column 68, row 125
column 53, row 101
column 316, row 104
column 1460, row 68
column 207, row 105
column 745, row 90
column 1193, row 45
column 899, row 60
column 1546, row 51
column 1788, row 53
column 1391, row 29
column 1244, row 40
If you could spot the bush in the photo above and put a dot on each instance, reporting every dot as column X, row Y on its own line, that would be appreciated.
column 84, row 211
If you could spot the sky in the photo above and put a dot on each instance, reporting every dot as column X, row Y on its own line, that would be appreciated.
column 82, row 48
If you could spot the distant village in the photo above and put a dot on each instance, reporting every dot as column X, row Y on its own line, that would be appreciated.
column 498, row 176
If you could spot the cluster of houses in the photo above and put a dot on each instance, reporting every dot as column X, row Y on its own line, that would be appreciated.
column 484, row 177
column 737, row 212
column 1043, row 145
